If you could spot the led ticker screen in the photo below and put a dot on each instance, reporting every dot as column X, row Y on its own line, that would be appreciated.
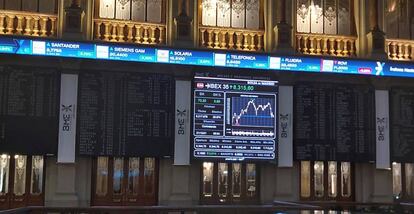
column 213, row 58
column 234, row 119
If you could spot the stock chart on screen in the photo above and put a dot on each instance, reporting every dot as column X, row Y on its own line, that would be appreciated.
column 234, row 119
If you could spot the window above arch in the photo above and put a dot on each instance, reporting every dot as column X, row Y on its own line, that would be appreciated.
column 399, row 19
column 231, row 24
column 151, row 11
column 29, row 17
column 324, row 16
column 137, row 21
column 37, row 6
column 398, row 25
column 242, row 14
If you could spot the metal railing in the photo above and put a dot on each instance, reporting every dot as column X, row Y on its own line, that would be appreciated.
column 27, row 23
column 322, row 44
column 129, row 31
column 231, row 38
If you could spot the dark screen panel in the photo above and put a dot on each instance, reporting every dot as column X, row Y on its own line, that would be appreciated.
column 334, row 122
column 29, row 107
column 125, row 114
column 402, row 125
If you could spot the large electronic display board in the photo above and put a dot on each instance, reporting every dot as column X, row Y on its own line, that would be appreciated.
column 334, row 122
column 234, row 119
column 402, row 125
column 29, row 107
column 125, row 114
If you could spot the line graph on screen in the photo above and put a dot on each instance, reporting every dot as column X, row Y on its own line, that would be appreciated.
column 253, row 112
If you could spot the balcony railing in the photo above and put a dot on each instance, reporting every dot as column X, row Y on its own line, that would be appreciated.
column 129, row 31
column 399, row 49
column 229, row 38
column 27, row 23
column 320, row 44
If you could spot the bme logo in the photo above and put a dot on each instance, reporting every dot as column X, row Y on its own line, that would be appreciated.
column 67, row 108
column 284, row 120
column 381, row 122
column 67, row 117
column 181, row 115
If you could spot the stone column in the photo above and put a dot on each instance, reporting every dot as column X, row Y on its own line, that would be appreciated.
column 65, row 192
column 373, row 14
column 181, row 188
column 61, row 173
column 68, row 185
column 283, row 30
column 183, row 25
column 73, row 21
column 281, row 9
column 285, row 183
column 382, row 186
column 376, row 37
column 68, row 178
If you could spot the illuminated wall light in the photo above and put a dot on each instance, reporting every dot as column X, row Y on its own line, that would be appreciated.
column 392, row 6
